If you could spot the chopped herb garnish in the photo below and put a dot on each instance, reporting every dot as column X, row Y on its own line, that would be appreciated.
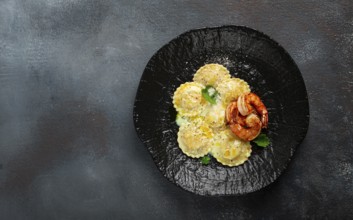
column 210, row 94
column 262, row 140
column 205, row 160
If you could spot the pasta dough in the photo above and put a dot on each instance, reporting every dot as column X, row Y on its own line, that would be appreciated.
column 231, row 89
column 230, row 150
column 188, row 99
column 211, row 74
column 195, row 138
column 215, row 115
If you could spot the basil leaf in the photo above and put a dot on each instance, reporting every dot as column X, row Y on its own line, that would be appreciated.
column 205, row 160
column 209, row 93
column 262, row 140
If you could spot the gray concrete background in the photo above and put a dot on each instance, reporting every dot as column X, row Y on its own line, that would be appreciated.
column 69, row 71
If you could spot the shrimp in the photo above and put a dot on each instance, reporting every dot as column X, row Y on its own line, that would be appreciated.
column 251, row 103
column 245, row 127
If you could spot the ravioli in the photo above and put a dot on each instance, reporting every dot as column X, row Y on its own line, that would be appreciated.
column 215, row 115
column 201, row 118
column 195, row 138
column 230, row 150
column 231, row 89
column 188, row 100
column 211, row 74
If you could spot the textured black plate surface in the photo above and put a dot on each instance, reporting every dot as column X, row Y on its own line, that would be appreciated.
column 249, row 55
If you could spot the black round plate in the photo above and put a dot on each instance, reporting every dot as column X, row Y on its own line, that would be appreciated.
column 249, row 55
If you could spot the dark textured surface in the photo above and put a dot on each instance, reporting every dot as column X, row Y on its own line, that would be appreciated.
column 249, row 55
column 69, row 72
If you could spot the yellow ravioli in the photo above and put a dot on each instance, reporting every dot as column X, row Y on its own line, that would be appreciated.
column 195, row 138
column 188, row 100
column 215, row 115
column 230, row 150
column 211, row 74
column 231, row 89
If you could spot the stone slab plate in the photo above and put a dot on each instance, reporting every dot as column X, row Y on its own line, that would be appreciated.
column 249, row 55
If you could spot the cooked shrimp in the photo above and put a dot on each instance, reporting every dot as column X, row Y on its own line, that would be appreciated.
column 245, row 127
column 250, row 131
column 251, row 103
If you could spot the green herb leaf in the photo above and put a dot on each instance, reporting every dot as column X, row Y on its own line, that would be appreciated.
column 210, row 94
column 205, row 160
column 262, row 140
